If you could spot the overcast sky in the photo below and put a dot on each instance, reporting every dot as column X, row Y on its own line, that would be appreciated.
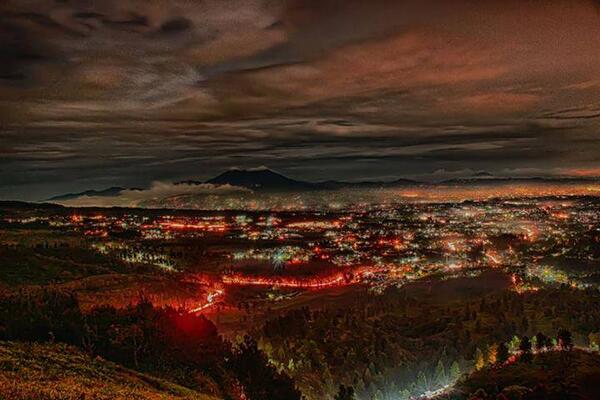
column 127, row 92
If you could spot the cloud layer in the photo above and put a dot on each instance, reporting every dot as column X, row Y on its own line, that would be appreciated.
column 127, row 92
column 159, row 194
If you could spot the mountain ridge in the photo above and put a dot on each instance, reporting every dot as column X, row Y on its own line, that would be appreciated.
column 108, row 192
column 266, row 180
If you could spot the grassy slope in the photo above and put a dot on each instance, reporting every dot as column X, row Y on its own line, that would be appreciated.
column 60, row 372
column 566, row 375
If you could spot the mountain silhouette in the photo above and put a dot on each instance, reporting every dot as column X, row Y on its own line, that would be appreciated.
column 110, row 192
column 259, row 178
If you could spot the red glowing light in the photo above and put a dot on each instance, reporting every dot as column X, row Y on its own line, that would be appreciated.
column 213, row 227
column 318, row 282
column 211, row 300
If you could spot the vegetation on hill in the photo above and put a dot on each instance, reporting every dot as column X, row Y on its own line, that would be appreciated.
column 61, row 372
column 551, row 375
column 38, row 257
column 165, row 342
column 396, row 346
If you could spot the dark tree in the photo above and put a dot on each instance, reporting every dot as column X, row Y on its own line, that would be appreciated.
column 345, row 393
column 259, row 378
column 565, row 339
column 525, row 348
column 47, row 315
column 525, row 345
column 503, row 353
column 541, row 341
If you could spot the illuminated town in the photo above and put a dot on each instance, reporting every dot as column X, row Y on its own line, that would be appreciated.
column 245, row 270
column 545, row 240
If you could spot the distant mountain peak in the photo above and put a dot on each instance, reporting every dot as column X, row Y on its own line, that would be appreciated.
column 254, row 169
column 264, row 178
column 256, row 178
column 482, row 174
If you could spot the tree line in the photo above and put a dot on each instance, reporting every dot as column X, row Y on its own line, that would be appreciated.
column 171, row 343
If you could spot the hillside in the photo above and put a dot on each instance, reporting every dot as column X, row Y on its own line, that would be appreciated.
column 551, row 376
column 57, row 371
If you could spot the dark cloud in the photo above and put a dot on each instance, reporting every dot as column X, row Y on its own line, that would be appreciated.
column 132, row 91
column 19, row 52
column 44, row 21
column 176, row 25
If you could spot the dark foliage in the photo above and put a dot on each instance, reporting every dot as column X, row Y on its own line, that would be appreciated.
column 259, row 378
column 393, row 343
column 525, row 348
column 503, row 353
column 345, row 393
column 565, row 339
column 171, row 343
column 551, row 375
column 45, row 316
column 542, row 341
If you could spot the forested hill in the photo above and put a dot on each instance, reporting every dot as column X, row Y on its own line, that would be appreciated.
column 552, row 375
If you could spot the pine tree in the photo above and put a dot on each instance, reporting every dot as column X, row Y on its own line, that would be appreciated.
column 565, row 339
column 525, row 345
column 525, row 348
column 541, row 341
column 594, row 342
column 440, row 377
column 503, row 353
column 404, row 395
column 422, row 383
column 454, row 371
column 260, row 379
column 345, row 393
column 492, row 355
column 514, row 344
column 479, row 360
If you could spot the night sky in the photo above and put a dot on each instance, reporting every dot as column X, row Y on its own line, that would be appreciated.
column 127, row 92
